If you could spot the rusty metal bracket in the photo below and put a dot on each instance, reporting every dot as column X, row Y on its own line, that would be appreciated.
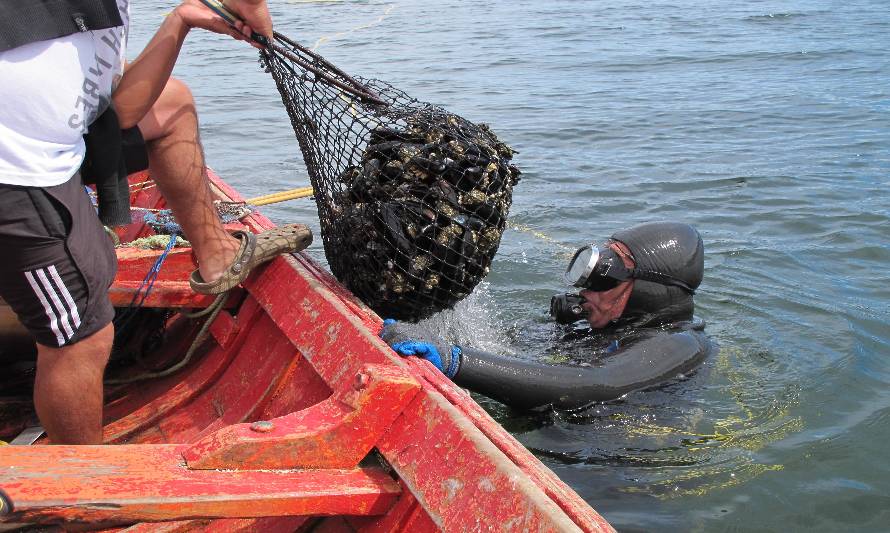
column 335, row 433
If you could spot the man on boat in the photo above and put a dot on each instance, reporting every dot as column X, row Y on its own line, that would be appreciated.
column 637, row 297
column 62, row 66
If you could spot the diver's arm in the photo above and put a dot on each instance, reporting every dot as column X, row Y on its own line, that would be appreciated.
column 526, row 384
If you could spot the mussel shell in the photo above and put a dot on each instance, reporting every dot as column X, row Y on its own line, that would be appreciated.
column 495, row 183
column 442, row 190
column 350, row 174
column 428, row 164
column 489, row 213
column 390, row 224
column 434, row 191
column 371, row 167
column 393, row 169
column 383, row 134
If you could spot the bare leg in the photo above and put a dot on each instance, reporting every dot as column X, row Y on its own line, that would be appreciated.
column 68, row 388
column 176, row 160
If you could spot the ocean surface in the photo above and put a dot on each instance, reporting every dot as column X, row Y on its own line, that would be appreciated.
column 766, row 124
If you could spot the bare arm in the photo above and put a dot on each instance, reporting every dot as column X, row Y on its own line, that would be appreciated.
column 255, row 14
column 146, row 76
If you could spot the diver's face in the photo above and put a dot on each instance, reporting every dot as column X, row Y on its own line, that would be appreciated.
column 606, row 306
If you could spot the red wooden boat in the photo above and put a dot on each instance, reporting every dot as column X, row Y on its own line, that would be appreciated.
column 292, row 415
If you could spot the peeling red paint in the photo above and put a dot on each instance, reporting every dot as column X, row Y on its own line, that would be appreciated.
column 298, row 350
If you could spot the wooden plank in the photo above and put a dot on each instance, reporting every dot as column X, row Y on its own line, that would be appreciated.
column 261, row 357
column 158, row 401
column 335, row 433
column 171, row 288
column 563, row 495
column 334, row 340
column 465, row 481
column 405, row 516
column 224, row 525
column 48, row 484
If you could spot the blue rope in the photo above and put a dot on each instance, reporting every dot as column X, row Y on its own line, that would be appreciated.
column 162, row 222
column 93, row 199
column 150, row 278
column 454, row 363
column 145, row 287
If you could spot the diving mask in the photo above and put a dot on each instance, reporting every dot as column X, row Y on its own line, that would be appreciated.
column 601, row 268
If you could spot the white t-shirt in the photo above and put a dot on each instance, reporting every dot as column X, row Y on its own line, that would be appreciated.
column 51, row 91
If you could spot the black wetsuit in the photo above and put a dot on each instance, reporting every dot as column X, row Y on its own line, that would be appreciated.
column 647, row 352
column 647, row 357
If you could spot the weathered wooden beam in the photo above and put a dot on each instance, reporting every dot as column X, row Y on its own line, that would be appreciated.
column 463, row 468
column 171, row 288
column 150, row 483
column 335, row 433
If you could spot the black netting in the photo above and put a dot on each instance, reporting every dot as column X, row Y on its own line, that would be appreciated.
column 412, row 199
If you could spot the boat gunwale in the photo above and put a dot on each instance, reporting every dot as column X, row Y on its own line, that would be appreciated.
column 502, row 482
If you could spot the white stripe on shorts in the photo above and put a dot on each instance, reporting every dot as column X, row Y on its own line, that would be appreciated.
column 72, row 308
column 53, row 322
column 54, row 296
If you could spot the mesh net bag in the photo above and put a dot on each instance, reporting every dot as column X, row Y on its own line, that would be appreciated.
column 412, row 199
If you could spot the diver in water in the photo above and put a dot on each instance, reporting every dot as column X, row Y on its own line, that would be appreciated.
column 637, row 292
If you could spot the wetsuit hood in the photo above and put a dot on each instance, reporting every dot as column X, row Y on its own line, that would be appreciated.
column 670, row 248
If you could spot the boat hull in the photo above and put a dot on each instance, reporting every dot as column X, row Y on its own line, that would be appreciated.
column 293, row 413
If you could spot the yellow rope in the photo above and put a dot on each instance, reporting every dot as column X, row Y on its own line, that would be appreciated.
column 565, row 251
column 304, row 192
column 275, row 197
column 365, row 26
column 283, row 196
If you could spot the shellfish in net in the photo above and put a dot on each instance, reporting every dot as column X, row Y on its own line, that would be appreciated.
column 412, row 199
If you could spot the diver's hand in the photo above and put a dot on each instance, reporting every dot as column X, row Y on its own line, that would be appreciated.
column 404, row 343
column 420, row 349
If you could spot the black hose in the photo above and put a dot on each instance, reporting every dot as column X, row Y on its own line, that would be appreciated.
column 527, row 384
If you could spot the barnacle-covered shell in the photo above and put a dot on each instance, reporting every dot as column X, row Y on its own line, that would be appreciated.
column 423, row 210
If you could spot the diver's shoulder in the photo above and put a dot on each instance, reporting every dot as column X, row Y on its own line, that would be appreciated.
column 696, row 323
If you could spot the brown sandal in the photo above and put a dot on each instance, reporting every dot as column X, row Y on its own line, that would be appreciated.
column 255, row 250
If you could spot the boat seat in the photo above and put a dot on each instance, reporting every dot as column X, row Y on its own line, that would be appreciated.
column 171, row 288
column 152, row 483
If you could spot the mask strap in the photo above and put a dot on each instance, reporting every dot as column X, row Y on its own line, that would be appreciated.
column 662, row 279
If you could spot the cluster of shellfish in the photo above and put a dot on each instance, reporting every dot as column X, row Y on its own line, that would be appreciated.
column 422, row 215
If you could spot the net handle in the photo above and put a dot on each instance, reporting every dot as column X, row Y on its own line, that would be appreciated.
column 350, row 85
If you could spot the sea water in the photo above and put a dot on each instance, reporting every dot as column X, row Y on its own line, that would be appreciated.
column 766, row 124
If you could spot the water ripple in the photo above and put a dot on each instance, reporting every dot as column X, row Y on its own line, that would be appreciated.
column 764, row 125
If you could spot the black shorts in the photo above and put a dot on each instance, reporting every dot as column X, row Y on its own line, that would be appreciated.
column 59, row 261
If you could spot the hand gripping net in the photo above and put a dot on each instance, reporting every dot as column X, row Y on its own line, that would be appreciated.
column 412, row 199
